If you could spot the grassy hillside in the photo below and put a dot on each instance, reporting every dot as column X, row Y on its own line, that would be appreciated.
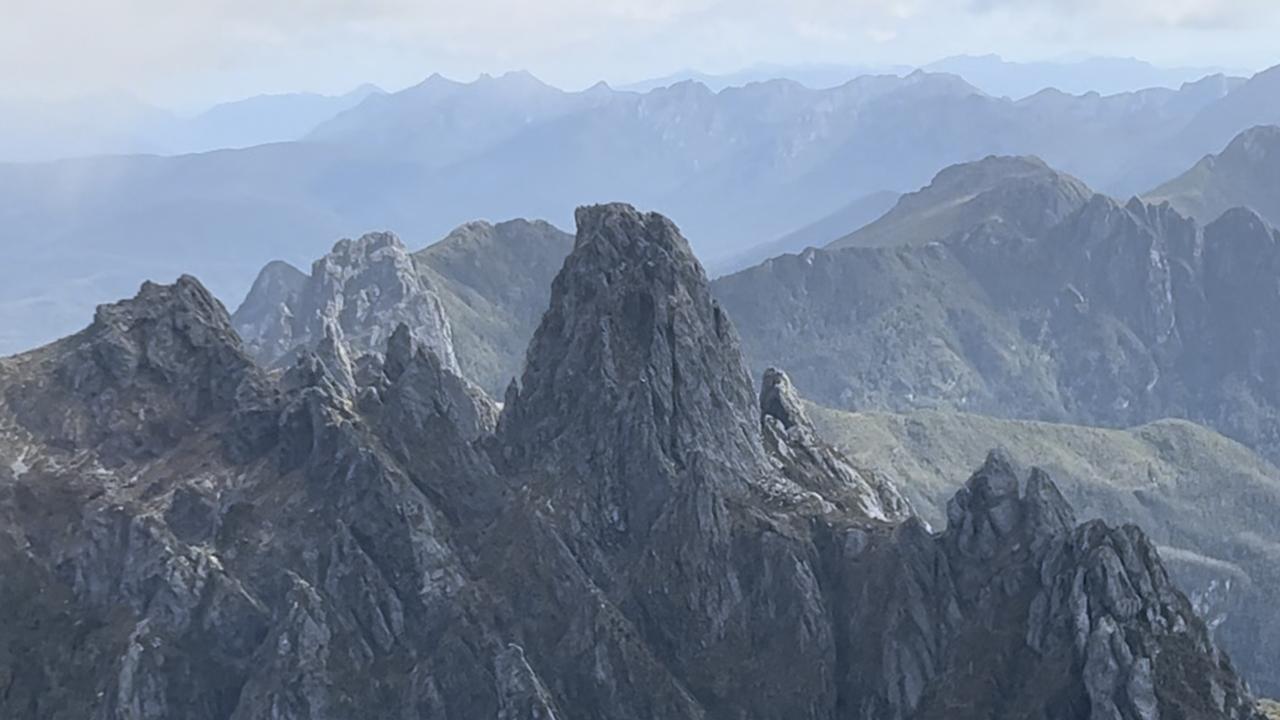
column 495, row 283
column 1210, row 503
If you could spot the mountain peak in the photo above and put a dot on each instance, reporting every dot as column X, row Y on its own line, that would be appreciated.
column 365, row 245
column 1019, row 192
column 634, row 362
column 619, row 231
column 779, row 400
column 522, row 80
column 821, row 478
column 363, row 287
column 1254, row 145
column 1245, row 173
column 186, row 297
column 167, row 359
column 1243, row 218
column 995, row 509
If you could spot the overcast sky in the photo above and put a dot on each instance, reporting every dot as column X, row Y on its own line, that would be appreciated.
column 180, row 52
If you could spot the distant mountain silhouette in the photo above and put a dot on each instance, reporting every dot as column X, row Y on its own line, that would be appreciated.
column 1102, row 75
column 1245, row 174
column 736, row 168
column 122, row 125
column 992, row 73
column 1249, row 104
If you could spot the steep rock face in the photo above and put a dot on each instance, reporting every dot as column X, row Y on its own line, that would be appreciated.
column 1012, row 612
column 1203, row 499
column 625, row 544
column 637, row 422
column 804, row 459
column 265, row 317
column 357, row 293
column 461, row 403
column 475, row 296
column 1116, row 315
column 923, row 612
column 633, row 338
column 227, row 584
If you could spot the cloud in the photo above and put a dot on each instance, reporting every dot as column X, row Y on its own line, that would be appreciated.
column 1207, row 14
column 201, row 48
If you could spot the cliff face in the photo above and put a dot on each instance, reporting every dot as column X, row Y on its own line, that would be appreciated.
column 632, row 538
column 357, row 293
column 477, row 295
column 1117, row 315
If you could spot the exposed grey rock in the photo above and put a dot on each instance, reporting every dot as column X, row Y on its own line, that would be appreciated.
column 624, row 545
column 417, row 381
column 521, row 694
column 267, row 311
column 145, row 374
column 355, row 295
column 815, row 466
column 491, row 282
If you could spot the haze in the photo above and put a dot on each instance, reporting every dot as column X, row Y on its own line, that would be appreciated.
column 189, row 54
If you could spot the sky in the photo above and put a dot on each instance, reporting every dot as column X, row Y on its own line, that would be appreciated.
column 188, row 52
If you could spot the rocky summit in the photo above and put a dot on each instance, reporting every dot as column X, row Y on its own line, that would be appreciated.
column 356, row 295
column 476, row 295
column 641, row 533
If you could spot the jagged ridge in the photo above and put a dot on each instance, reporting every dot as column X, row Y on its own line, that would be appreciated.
column 626, row 544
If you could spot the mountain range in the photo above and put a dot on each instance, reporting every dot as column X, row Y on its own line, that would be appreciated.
column 737, row 168
column 637, row 534
column 951, row 429
column 1102, row 75
column 1254, row 103
column 1245, row 174
column 474, row 298
column 116, row 124
column 1021, row 193
column 1050, row 304
column 993, row 74
column 939, row 306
